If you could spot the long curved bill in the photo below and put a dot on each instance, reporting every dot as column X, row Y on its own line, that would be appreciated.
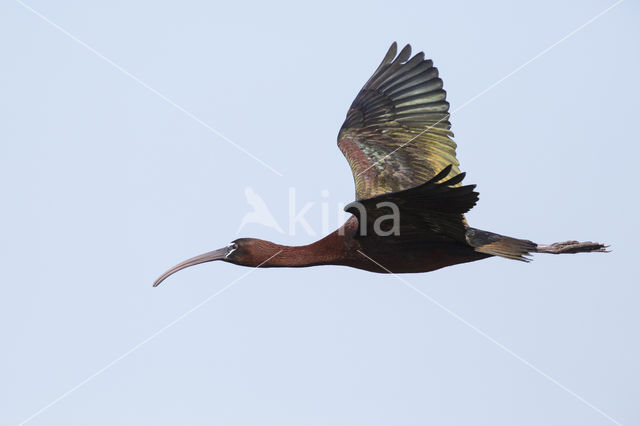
column 207, row 257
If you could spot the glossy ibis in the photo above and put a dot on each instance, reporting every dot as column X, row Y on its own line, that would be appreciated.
column 397, row 140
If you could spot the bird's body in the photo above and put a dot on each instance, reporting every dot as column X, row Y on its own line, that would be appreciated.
column 344, row 247
column 409, row 213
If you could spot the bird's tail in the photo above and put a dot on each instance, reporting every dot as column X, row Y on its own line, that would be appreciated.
column 514, row 248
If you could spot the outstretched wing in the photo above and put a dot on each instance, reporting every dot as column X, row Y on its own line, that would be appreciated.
column 396, row 134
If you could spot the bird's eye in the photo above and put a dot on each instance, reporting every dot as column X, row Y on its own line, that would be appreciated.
column 231, row 248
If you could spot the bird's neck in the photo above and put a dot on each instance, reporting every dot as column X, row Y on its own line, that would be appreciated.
column 319, row 253
column 330, row 250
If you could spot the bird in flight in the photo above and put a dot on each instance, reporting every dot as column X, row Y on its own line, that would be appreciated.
column 409, row 213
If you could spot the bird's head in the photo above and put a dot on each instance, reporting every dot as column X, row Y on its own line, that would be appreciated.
column 243, row 251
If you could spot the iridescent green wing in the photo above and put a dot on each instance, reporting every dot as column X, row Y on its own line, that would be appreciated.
column 396, row 134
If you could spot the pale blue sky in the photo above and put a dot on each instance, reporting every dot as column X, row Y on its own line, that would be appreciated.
column 105, row 185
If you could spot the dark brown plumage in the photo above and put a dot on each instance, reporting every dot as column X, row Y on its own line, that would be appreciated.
column 409, row 216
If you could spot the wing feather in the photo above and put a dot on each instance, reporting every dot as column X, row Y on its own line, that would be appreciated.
column 397, row 133
column 435, row 207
